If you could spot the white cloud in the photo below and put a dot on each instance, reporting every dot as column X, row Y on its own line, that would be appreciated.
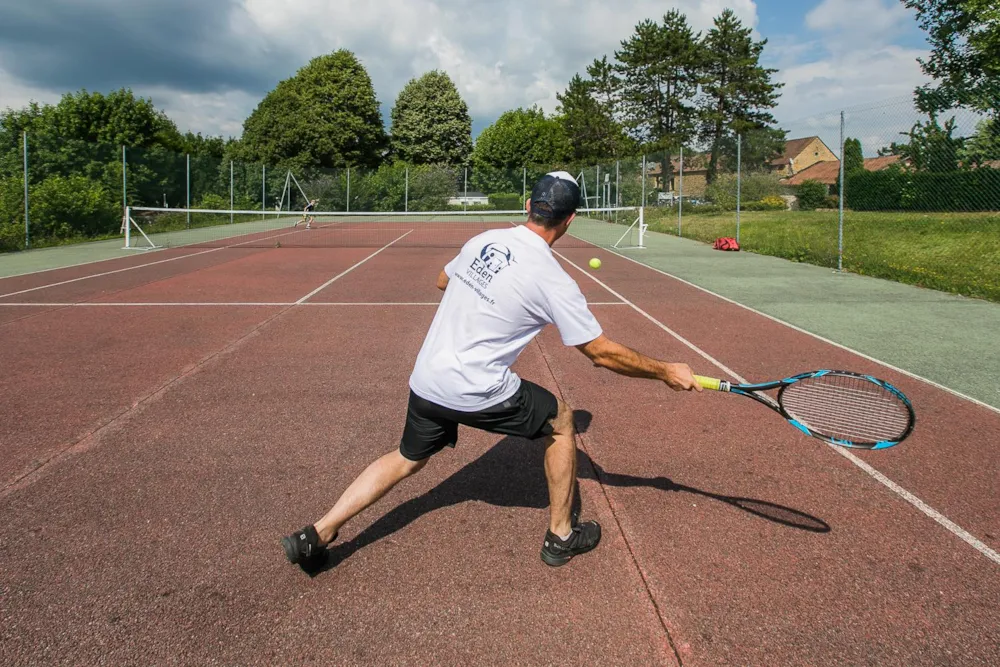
column 16, row 94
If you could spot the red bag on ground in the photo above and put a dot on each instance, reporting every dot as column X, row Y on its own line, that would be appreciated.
column 726, row 243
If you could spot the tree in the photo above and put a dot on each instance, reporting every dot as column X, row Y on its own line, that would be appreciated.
column 587, row 121
column 984, row 145
column 737, row 92
column 854, row 158
column 932, row 147
column 658, row 70
column 519, row 138
column 965, row 56
column 324, row 116
column 431, row 123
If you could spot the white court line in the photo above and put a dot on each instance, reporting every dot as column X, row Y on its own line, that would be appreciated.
column 941, row 519
column 884, row 364
column 138, row 266
column 344, row 273
column 232, row 304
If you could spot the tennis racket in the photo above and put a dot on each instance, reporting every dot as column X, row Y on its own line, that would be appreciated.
column 838, row 407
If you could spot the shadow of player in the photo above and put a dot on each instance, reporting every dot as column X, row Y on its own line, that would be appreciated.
column 511, row 474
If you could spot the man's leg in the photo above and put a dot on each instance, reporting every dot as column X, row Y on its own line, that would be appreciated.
column 560, row 470
column 563, row 540
column 376, row 481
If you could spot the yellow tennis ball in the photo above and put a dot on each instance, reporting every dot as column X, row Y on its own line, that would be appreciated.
column 595, row 263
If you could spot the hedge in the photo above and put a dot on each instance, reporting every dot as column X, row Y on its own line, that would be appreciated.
column 898, row 190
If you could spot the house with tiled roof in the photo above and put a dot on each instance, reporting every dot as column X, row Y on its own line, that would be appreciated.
column 800, row 154
column 828, row 172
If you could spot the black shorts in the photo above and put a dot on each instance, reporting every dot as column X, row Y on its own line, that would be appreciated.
column 431, row 427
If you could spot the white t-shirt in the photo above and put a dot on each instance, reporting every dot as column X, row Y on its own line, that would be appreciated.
column 505, row 286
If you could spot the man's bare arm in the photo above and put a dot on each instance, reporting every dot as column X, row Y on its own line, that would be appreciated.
column 442, row 283
column 606, row 353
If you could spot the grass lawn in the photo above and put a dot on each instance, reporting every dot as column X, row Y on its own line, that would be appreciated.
column 952, row 252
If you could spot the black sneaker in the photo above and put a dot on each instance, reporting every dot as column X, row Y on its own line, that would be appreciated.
column 585, row 536
column 304, row 546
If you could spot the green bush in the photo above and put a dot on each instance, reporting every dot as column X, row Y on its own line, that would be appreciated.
column 63, row 208
column 832, row 201
column 812, row 195
column 506, row 201
column 213, row 202
column 755, row 186
column 897, row 190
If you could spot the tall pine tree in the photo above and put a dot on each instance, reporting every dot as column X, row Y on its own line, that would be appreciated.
column 586, row 114
column 737, row 92
column 658, row 69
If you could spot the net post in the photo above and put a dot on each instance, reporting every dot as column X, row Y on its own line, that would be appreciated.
column 739, row 181
column 406, row 192
column 348, row 189
column 680, row 194
column 124, row 180
column 843, row 187
column 642, row 226
column 127, row 223
column 231, row 192
column 189, row 190
column 643, row 177
column 27, row 223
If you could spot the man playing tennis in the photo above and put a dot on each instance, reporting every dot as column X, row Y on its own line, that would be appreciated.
column 499, row 292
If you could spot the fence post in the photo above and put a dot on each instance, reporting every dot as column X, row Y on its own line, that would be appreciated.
column 406, row 194
column 348, row 189
column 524, row 187
column 739, row 181
column 230, row 192
column 843, row 186
column 27, row 224
column 600, row 187
column 188, row 190
column 263, row 191
column 680, row 195
column 465, row 200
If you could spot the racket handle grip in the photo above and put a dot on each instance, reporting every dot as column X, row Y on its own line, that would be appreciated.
column 712, row 384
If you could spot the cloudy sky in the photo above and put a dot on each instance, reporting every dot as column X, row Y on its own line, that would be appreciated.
column 209, row 62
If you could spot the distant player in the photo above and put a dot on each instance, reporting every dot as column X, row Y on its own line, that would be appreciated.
column 306, row 218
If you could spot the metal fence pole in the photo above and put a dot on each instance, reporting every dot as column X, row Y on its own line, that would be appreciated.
column 348, row 189
column 27, row 224
column 840, row 224
column 263, row 190
column 739, row 181
column 524, row 187
column 189, row 190
column 600, row 187
column 680, row 196
column 406, row 192
column 230, row 192
column 465, row 200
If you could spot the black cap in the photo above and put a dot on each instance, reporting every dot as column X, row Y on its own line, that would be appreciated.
column 555, row 196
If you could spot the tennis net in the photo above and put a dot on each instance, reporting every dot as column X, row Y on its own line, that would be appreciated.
column 147, row 228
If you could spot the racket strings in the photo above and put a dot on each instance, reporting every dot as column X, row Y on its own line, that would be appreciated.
column 847, row 408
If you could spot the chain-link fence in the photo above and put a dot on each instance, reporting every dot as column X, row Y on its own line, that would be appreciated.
column 915, row 198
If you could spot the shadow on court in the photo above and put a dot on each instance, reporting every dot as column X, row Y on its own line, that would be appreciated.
column 511, row 474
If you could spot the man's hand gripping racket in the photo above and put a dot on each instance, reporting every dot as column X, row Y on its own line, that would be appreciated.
column 839, row 407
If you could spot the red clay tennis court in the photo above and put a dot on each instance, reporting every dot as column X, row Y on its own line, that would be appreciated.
column 169, row 416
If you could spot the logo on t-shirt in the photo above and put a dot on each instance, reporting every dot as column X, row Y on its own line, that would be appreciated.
column 492, row 259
